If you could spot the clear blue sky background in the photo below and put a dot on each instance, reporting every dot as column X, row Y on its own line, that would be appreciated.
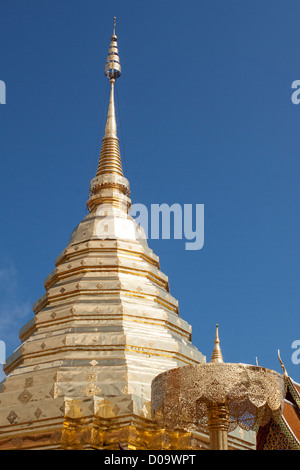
column 205, row 117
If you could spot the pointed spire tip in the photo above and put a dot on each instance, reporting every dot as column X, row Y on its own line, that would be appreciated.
column 217, row 353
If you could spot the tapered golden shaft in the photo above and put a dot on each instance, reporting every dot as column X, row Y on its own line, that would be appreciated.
column 217, row 414
column 110, row 158
column 111, row 124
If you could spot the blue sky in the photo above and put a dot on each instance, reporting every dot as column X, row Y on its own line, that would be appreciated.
column 204, row 116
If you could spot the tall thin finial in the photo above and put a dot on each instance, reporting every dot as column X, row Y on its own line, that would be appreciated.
column 110, row 186
column 217, row 354
column 112, row 71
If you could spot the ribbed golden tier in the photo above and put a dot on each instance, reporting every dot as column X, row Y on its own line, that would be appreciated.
column 110, row 158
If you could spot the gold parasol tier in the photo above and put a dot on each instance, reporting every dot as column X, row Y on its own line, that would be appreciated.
column 216, row 396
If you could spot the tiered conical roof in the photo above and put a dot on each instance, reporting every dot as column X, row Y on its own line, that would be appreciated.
column 105, row 327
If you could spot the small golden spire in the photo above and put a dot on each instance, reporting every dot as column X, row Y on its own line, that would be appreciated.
column 217, row 354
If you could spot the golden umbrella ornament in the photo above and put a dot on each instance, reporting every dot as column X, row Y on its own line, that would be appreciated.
column 216, row 397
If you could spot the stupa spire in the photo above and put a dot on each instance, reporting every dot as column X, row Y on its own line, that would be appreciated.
column 217, row 353
column 110, row 186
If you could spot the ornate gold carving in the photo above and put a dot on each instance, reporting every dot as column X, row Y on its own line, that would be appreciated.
column 55, row 391
column 277, row 439
column 12, row 417
column 29, row 382
column 91, row 389
column 217, row 397
column 25, row 396
column 139, row 435
column 92, row 377
column 38, row 413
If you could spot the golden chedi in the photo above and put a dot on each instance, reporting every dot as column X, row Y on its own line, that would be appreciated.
column 105, row 327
